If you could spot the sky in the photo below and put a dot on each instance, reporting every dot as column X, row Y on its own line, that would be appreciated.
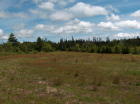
column 82, row 19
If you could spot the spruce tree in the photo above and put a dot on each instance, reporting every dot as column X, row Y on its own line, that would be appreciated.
column 39, row 44
column 12, row 38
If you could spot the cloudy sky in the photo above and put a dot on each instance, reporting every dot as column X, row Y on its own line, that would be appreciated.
column 55, row 19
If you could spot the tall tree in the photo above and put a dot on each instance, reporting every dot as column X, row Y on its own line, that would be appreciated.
column 12, row 38
column 39, row 44
column 13, row 41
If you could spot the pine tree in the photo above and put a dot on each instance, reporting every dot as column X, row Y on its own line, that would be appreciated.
column 39, row 44
column 12, row 38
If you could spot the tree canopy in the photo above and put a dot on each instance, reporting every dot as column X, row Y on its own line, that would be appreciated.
column 96, row 45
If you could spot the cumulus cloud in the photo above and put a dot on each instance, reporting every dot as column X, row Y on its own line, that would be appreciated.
column 120, row 25
column 72, row 27
column 108, row 25
column 78, row 10
column 129, row 24
column 127, row 35
column 2, row 35
column 55, row 11
column 61, row 16
column 24, row 33
column 47, row 6
column 136, row 14
column 113, row 17
column 40, row 27
column 1, row 32
column 58, row 2
column 46, row 28
column 77, row 26
column 82, row 9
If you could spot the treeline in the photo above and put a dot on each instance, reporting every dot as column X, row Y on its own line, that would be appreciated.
column 96, row 45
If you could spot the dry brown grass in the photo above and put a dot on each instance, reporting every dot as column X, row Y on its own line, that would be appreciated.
column 70, row 77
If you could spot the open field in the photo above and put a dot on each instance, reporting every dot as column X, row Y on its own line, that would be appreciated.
column 70, row 78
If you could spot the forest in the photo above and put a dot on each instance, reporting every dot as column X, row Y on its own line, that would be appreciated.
column 96, row 45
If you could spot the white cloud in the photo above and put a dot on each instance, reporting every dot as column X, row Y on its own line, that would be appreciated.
column 127, row 35
column 42, row 27
column 61, row 16
column 2, row 35
column 47, row 6
column 72, row 27
column 1, row 32
column 86, row 10
column 113, row 17
column 129, row 24
column 24, row 33
column 108, row 25
column 82, row 27
column 136, row 14
column 5, row 37
column 4, row 15
column 57, row 2
column 78, row 10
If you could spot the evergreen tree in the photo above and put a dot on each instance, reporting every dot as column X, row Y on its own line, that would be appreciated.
column 47, row 47
column 97, row 45
column 116, row 50
column 125, row 50
column 13, row 41
column 12, row 38
column 39, row 44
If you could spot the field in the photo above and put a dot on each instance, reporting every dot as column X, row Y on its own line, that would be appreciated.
column 69, row 78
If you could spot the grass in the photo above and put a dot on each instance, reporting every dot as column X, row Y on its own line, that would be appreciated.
column 69, row 78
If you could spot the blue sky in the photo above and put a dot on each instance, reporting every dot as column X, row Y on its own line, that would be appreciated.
column 55, row 19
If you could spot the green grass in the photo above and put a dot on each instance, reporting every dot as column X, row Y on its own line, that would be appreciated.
column 69, row 78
